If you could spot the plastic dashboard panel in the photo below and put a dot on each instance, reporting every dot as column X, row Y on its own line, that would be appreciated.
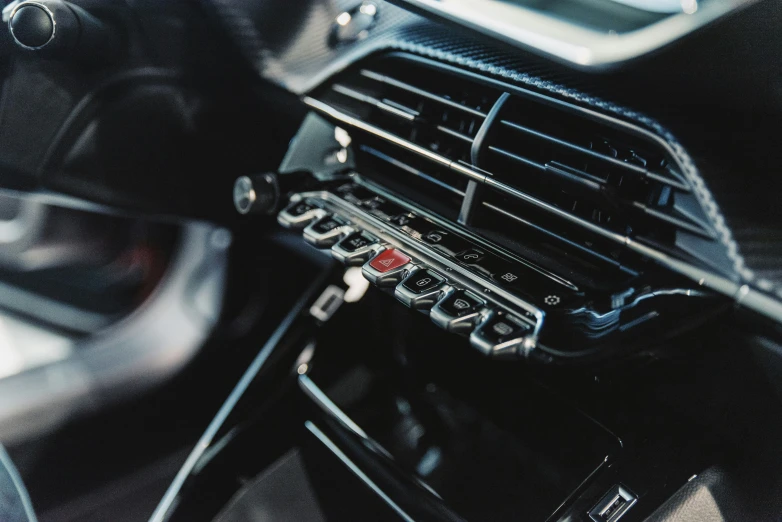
column 307, row 60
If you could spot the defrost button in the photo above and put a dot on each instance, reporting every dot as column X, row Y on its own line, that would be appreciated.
column 458, row 312
column 501, row 334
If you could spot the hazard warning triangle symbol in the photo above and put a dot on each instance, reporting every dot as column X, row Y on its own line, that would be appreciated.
column 386, row 262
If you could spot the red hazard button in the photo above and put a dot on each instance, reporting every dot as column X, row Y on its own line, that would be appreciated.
column 389, row 260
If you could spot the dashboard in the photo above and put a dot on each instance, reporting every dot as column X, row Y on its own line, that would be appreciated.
column 707, row 247
column 560, row 219
column 598, row 206
column 488, row 259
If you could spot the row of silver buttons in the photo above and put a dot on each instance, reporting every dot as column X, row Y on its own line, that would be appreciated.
column 492, row 331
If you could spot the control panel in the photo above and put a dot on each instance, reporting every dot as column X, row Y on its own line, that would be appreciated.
column 506, row 305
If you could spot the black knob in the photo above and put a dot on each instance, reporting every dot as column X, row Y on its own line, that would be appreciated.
column 32, row 25
column 256, row 194
column 263, row 193
column 56, row 29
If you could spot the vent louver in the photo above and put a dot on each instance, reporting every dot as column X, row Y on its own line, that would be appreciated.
column 603, row 174
column 537, row 155
column 435, row 110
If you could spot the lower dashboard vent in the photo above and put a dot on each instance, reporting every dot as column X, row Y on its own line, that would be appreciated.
column 597, row 185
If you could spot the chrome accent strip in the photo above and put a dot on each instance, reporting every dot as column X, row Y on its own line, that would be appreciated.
column 356, row 470
column 324, row 403
column 161, row 512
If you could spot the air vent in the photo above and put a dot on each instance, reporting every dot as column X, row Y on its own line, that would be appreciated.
column 587, row 180
column 434, row 109
column 614, row 178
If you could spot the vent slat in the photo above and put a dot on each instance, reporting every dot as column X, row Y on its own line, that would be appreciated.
column 412, row 170
column 614, row 162
column 673, row 220
column 575, row 176
column 457, row 135
column 516, row 157
column 407, row 114
column 421, row 92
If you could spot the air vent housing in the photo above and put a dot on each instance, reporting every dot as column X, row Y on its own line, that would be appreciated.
column 595, row 185
column 440, row 110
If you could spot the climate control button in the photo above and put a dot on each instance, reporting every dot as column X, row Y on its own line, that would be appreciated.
column 326, row 231
column 355, row 249
column 459, row 311
column 500, row 335
column 299, row 214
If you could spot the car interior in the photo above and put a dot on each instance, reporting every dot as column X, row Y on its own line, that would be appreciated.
column 390, row 260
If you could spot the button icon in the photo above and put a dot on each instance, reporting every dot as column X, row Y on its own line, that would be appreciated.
column 401, row 220
column 422, row 281
column 461, row 304
column 434, row 237
column 326, row 225
column 358, row 242
column 389, row 260
column 552, row 300
column 502, row 328
column 509, row 277
column 472, row 255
